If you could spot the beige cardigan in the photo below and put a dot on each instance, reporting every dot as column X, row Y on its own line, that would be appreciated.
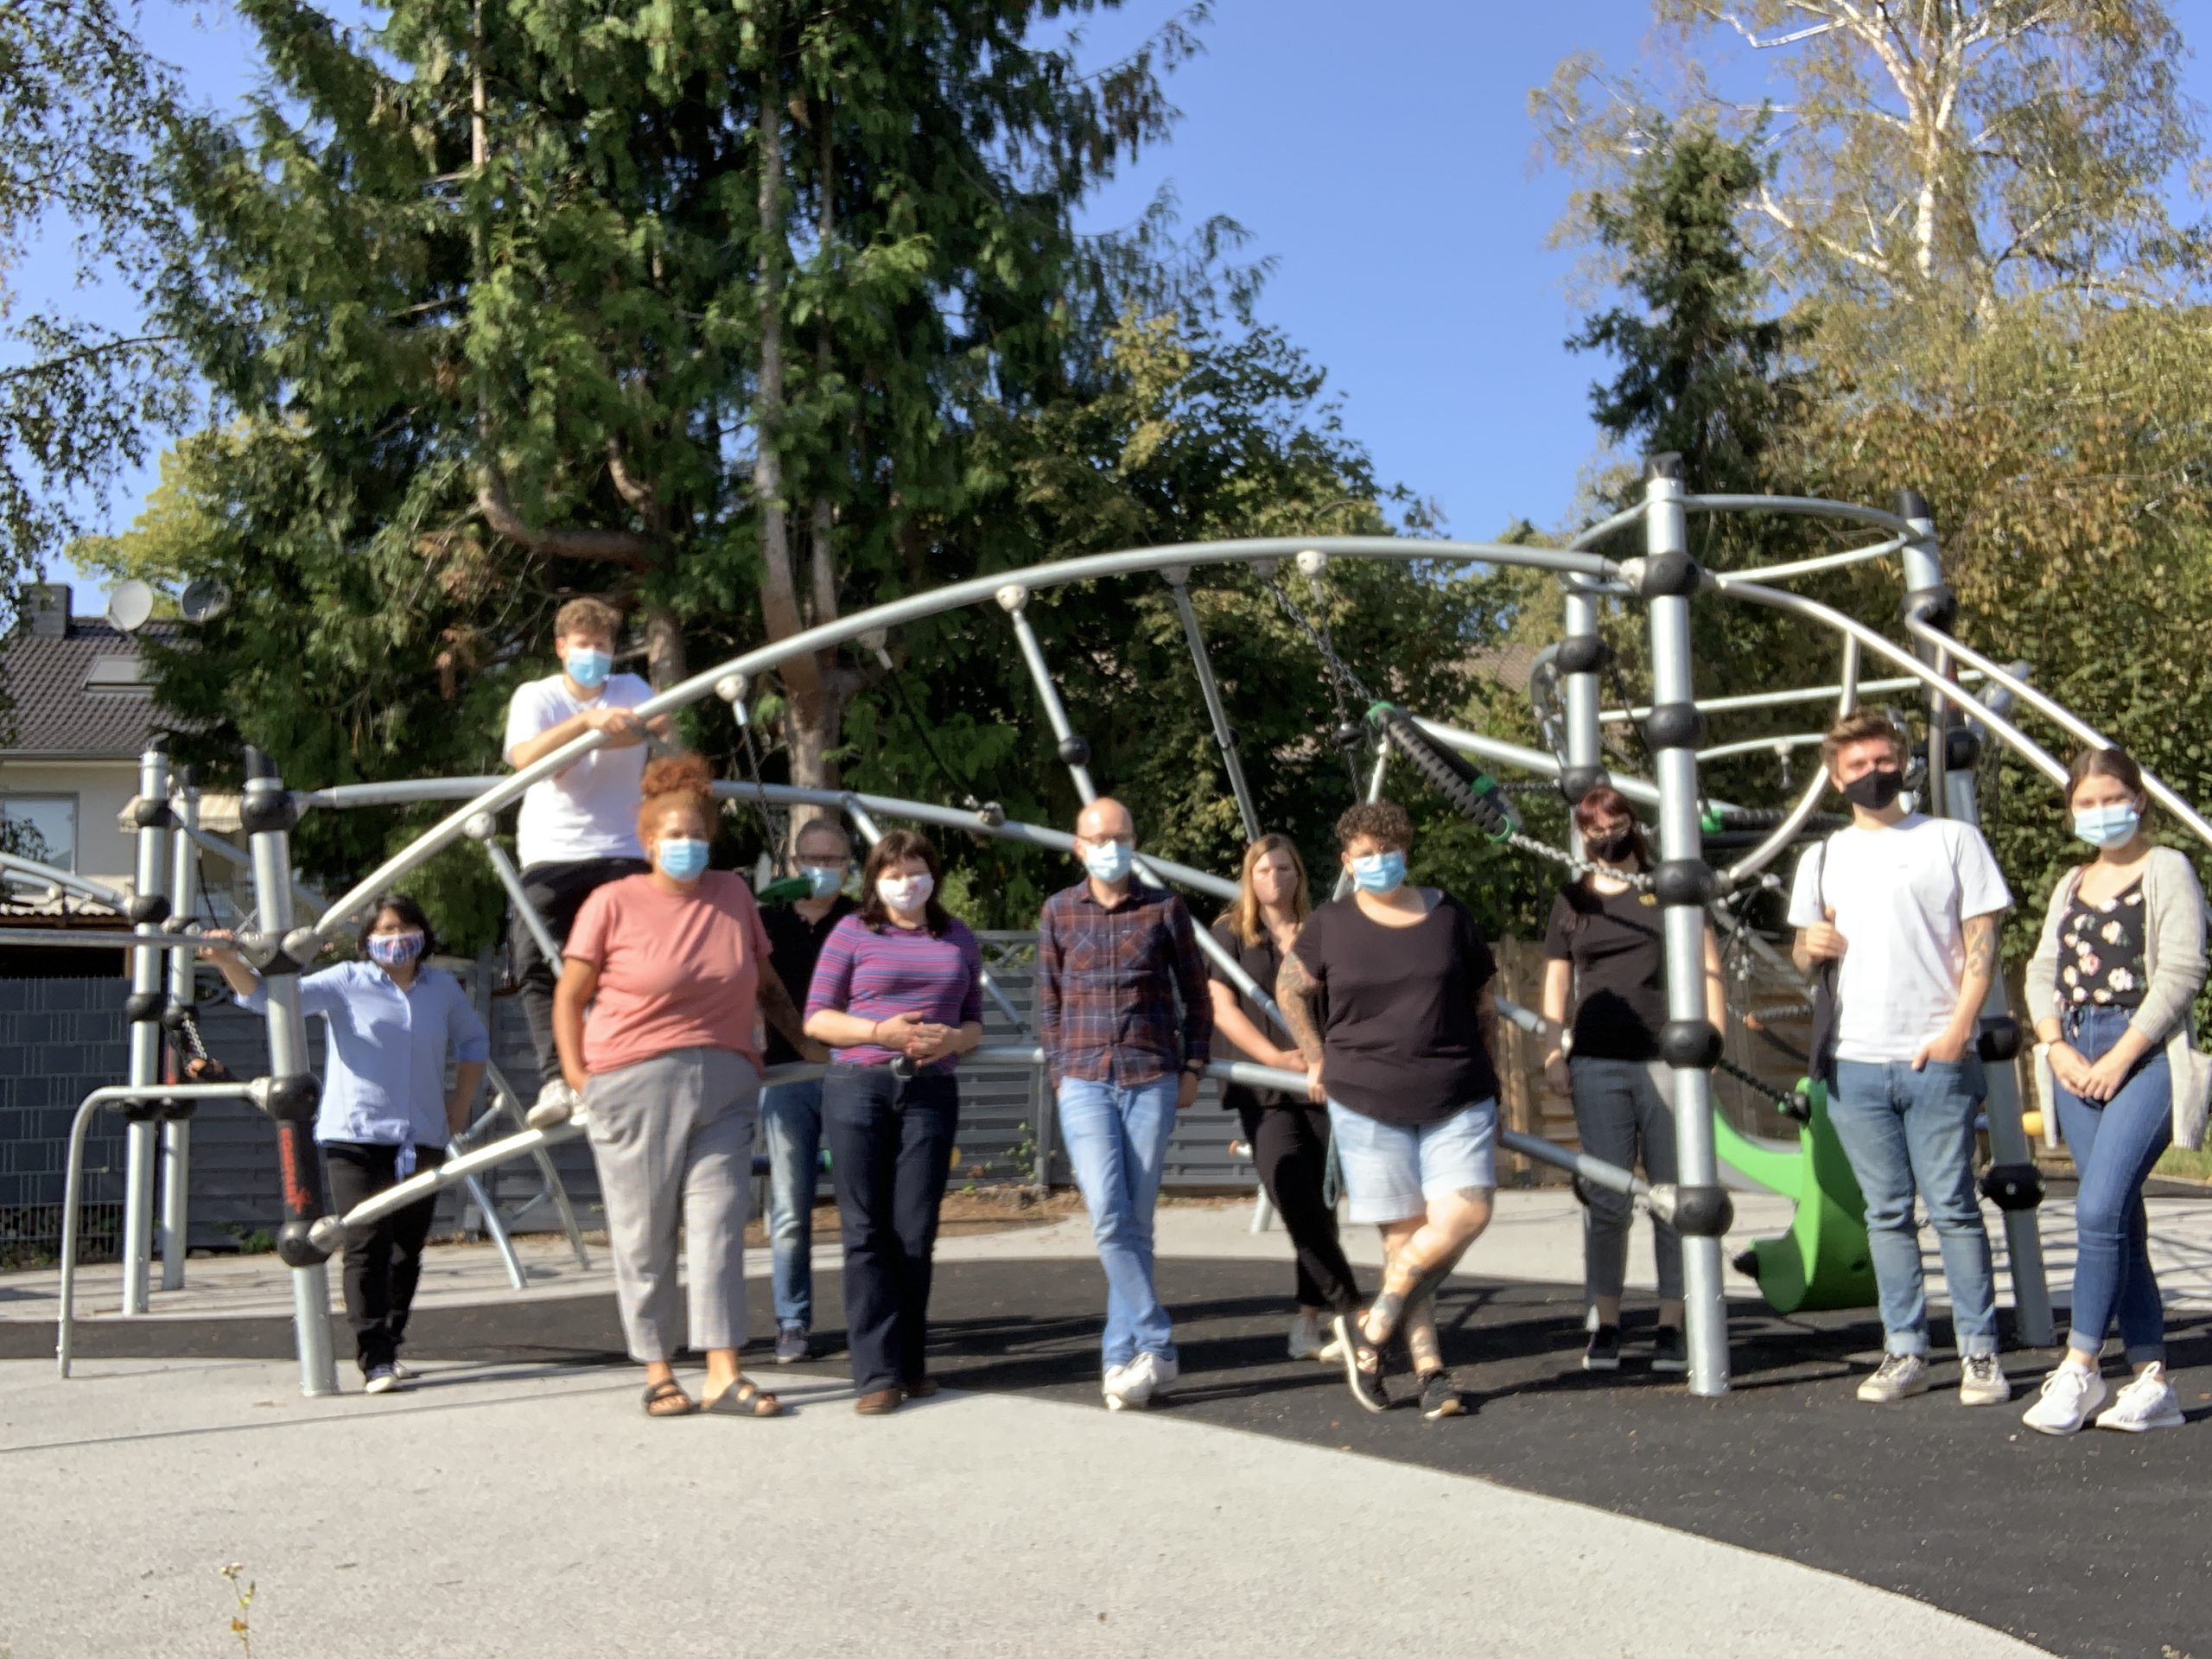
column 2174, row 967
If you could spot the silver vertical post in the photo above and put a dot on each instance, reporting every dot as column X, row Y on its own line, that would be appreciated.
column 1684, row 883
column 1952, row 794
column 268, row 816
column 1581, row 655
column 176, row 1132
column 1075, row 752
column 149, row 909
column 1224, row 735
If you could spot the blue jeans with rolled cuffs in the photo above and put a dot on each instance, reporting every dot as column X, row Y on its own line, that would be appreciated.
column 790, row 1121
column 2114, row 1144
column 1905, row 1129
column 1116, row 1138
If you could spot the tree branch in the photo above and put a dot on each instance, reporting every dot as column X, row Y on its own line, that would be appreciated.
column 620, row 547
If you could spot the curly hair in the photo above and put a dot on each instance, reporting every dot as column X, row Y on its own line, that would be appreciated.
column 675, row 781
column 588, row 615
column 1384, row 820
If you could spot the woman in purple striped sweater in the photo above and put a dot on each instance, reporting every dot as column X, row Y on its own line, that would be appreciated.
column 898, row 993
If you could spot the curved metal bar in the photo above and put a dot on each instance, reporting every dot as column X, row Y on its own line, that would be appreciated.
column 1807, row 506
column 956, row 596
column 1225, row 735
column 1770, row 699
column 1815, row 787
column 95, row 939
column 1759, row 744
column 1780, row 600
column 1824, row 561
column 83, row 887
column 400, row 792
column 1605, row 527
column 2060, row 717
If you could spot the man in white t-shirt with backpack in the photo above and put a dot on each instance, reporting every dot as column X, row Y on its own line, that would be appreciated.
column 578, row 829
column 1907, row 908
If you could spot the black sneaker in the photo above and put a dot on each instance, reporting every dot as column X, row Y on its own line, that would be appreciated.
column 1604, row 1353
column 1439, row 1398
column 1667, row 1353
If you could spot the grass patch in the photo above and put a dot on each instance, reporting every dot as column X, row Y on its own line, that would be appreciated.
column 2187, row 1166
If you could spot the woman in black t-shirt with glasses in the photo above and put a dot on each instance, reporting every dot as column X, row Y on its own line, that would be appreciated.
column 1289, row 1135
column 1605, row 951
column 1402, row 1057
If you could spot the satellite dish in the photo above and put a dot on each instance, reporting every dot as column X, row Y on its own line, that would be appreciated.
column 203, row 600
column 130, row 606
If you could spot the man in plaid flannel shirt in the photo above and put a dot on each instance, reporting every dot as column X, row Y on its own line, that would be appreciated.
column 1114, row 958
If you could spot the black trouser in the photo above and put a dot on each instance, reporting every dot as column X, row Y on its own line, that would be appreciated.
column 557, row 892
column 890, row 1151
column 384, row 1260
column 1290, row 1146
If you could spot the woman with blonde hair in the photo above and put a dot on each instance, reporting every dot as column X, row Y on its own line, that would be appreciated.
column 2112, row 986
column 1288, row 1135
column 672, row 968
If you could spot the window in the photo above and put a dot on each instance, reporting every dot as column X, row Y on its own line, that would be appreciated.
column 41, row 827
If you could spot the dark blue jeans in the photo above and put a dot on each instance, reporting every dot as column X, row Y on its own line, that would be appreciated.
column 890, row 1151
column 2114, row 1144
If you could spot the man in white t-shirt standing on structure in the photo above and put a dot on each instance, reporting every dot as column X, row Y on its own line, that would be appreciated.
column 578, row 829
column 1907, row 907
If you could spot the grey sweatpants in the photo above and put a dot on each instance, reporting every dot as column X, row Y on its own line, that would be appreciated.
column 1621, row 1112
column 673, row 1140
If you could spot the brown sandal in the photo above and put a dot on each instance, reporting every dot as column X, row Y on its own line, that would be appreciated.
column 659, row 1397
column 743, row 1398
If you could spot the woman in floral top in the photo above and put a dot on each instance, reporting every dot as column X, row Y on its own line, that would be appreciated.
column 2111, row 984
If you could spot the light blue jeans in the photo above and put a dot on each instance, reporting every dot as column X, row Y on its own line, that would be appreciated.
column 2114, row 1146
column 791, row 1120
column 1116, row 1142
column 1902, row 1129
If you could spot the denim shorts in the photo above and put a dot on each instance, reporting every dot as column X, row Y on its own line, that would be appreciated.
column 1389, row 1171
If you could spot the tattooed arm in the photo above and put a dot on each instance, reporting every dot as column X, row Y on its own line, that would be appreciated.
column 1958, row 1037
column 1295, row 990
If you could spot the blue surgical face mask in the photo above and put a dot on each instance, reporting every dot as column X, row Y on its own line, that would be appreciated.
column 588, row 665
column 395, row 949
column 1379, row 871
column 822, row 881
column 2107, row 826
column 681, row 858
column 1109, row 861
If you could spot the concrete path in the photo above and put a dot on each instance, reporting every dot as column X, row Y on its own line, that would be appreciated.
column 525, row 1511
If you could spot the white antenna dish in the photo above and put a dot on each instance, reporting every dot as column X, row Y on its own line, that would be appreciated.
column 130, row 606
column 203, row 600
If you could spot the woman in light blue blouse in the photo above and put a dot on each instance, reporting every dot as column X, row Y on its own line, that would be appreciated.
column 386, row 1112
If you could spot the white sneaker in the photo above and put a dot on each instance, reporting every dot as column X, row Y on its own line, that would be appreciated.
column 1306, row 1338
column 557, row 1104
column 2147, row 1402
column 1162, row 1370
column 1982, row 1381
column 1129, row 1388
column 1897, row 1375
column 2069, row 1394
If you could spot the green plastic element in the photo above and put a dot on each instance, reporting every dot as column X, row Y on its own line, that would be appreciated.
column 1709, row 821
column 1376, row 710
column 783, row 891
column 1823, row 1261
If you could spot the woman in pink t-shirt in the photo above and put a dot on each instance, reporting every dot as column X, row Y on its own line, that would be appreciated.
column 670, row 966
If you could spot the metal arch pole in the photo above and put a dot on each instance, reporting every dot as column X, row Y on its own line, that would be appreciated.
column 67, row 881
column 1705, row 1303
column 287, row 1059
column 1771, row 699
column 1815, row 787
column 72, row 1181
column 1014, row 598
column 1585, row 742
column 872, row 832
column 505, row 1246
column 555, row 1189
column 147, row 973
column 511, row 879
column 1224, row 735
column 825, row 636
column 176, row 1132
column 1955, row 797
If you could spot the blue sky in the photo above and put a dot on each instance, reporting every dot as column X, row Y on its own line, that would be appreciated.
column 1384, row 157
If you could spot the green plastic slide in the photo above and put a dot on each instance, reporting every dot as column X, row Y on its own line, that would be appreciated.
column 1823, row 1262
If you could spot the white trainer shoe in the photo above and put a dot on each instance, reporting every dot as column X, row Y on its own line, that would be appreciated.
column 2069, row 1394
column 2147, row 1402
column 1163, row 1370
column 1982, row 1381
column 1307, row 1336
column 1896, row 1376
column 556, row 1105
column 1129, row 1388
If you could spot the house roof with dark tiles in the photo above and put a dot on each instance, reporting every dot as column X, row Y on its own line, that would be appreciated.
column 81, row 696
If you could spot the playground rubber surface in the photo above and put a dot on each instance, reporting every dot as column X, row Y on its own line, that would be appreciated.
column 2093, row 1546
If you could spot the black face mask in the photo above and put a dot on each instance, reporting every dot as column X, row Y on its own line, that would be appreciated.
column 1611, row 850
column 1875, row 789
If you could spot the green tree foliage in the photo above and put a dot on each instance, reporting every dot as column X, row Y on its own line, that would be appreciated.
column 84, row 116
